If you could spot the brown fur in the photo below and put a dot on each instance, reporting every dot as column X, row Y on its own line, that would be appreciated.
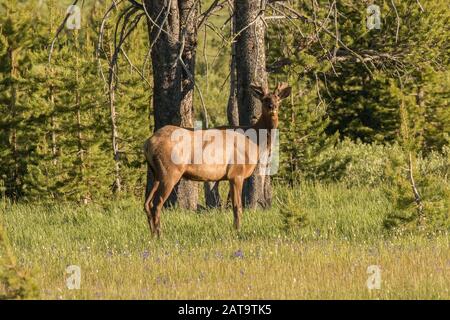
column 159, row 150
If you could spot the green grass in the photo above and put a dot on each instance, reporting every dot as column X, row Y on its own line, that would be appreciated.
column 200, row 256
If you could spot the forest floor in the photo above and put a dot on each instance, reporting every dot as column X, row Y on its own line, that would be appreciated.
column 200, row 256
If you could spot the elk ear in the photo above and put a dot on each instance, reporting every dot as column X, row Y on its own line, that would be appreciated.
column 257, row 91
column 283, row 90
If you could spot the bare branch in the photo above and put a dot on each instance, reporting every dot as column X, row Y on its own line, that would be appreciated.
column 136, row 4
column 398, row 21
column 134, row 67
column 58, row 31
column 417, row 197
column 420, row 6
column 100, row 47
column 207, row 13
column 191, row 77
column 160, row 27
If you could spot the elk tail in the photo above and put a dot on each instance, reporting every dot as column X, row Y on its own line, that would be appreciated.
column 150, row 167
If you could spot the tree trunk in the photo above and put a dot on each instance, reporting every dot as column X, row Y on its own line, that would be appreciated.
column 172, row 86
column 15, row 176
column 187, row 191
column 53, row 127
column 251, row 68
column 232, row 107
column 117, row 184
column 166, row 70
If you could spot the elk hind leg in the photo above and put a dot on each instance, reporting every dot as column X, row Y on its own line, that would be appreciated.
column 149, row 204
column 164, row 190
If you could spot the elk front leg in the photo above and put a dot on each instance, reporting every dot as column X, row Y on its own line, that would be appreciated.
column 236, row 197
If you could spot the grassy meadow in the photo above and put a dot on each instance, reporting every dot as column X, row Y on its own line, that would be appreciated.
column 200, row 256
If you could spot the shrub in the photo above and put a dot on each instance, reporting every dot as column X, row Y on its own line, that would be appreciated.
column 293, row 216
column 357, row 163
column 430, row 213
column 14, row 283
column 354, row 163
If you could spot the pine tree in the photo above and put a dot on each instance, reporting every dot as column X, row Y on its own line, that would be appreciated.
column 303, row 119
column 421, row 199
column 132, row 107
column 16, row 42
column 43, row 166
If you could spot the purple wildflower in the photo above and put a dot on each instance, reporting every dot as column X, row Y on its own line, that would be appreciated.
column 239, row 254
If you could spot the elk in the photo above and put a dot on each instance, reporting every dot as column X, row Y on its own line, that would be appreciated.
column 173, row 152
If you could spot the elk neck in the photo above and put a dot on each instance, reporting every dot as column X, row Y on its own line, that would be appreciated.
column 266, row 121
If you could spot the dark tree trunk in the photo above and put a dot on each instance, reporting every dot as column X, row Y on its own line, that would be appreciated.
column 232, row 107
column 172, row 86
column 166, row 70
column 187, row 191
column 251, row 68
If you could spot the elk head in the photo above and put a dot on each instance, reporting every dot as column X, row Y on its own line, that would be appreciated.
column 271, row 102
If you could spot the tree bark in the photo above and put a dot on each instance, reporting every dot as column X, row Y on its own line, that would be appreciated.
column 173, row 86
column 117, row 184
column 251, row 68
column 16, row 184
column 187, row 191
column 166, row 70
column 53, row 126
column 232, row 107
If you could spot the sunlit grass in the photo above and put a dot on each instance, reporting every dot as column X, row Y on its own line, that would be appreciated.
column 201, row 256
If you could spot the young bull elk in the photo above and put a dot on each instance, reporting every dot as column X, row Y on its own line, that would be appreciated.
column 223, row 153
